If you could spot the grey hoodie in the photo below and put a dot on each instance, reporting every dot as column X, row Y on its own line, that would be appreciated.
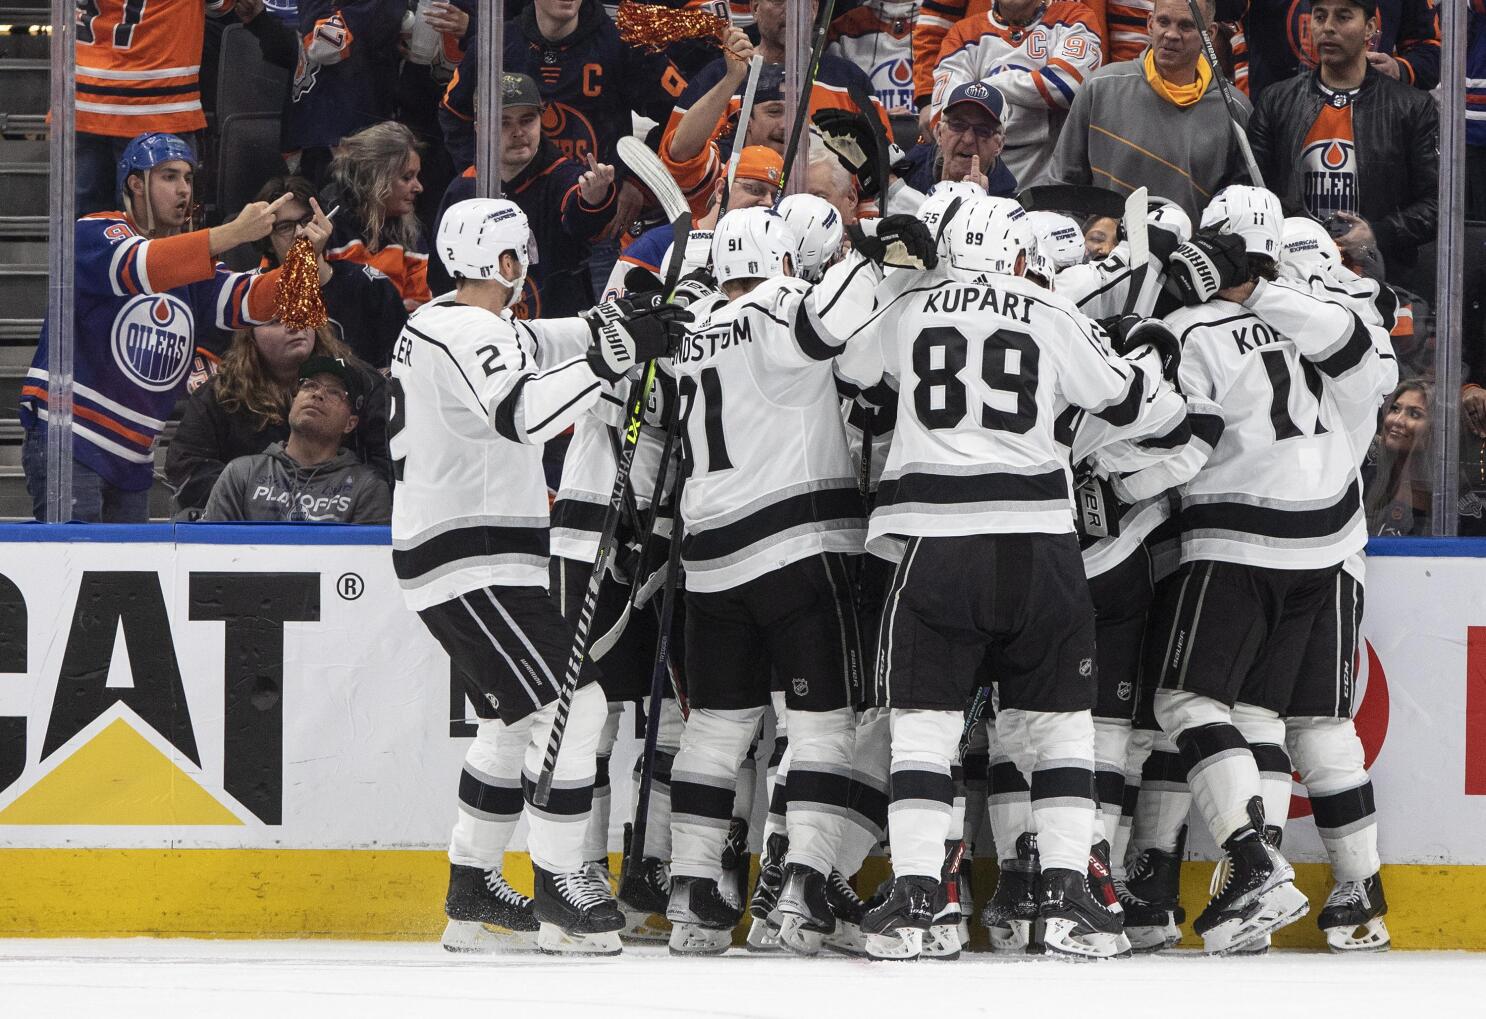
column 272, row 486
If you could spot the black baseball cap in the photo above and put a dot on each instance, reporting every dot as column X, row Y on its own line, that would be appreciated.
column 987, row 97
column 519, row 90
column 337, row 367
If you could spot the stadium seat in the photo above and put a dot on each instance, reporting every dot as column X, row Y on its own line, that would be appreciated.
column 249, row 155
column 245, row 82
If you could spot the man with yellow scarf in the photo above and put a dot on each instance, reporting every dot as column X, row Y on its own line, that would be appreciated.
column 1158, row 120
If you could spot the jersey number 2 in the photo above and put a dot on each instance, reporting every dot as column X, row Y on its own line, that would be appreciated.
column 396, row 420
column 1008, row 366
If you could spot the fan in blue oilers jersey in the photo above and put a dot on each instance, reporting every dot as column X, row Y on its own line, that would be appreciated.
column 145, row 284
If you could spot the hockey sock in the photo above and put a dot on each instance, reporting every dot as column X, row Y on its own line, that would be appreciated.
column 1062, row 786
column 596, row 837
column 489, row 797
column 1265, row 732
column 1010, row 804
column 778, row 795
column 1220, row 768
column 658, row 823
column 923, row 744
column 977, row 765
column 866, row 815
column 1165, row 799
column 819, row 784
column 1136, row 752
column 555, row 832
column 747, row 788
column 957, row 808
column 1111, row 744
column 703, row 786
column 1329, row 757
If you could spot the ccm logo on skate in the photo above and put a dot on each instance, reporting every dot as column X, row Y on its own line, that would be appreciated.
column 1371, row 720
column 120, row 744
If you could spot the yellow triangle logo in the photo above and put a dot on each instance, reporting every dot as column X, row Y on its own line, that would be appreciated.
column 117, row 777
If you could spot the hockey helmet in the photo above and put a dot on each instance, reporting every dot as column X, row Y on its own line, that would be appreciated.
column 1163, row 212
column 1041, row 268
column 1252, row 213
column 752, row 244
column 935, row 210
column 1307, row 247
column 817, row 226
column 1060, row 239
column 475, row 233
column 148, row 151
column 987, row 236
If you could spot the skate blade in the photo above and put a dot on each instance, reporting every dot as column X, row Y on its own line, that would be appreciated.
column 553, row 940
column 1258, row 946
column 795, row 936
column 763, row 938
column 691, row 939
column 473, row 937
column 1347, row 940
column 645, row 928
column 1153, row 939
column 903, row 944
column 1059, row 939
column 1013, row 939
column 942, row 941
column 846, row 939
column 1281, row 906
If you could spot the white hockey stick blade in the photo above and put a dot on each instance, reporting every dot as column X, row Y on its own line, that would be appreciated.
column 653, row 174
column 1136, row 209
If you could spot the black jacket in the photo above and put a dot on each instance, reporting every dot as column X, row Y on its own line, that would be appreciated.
column 209, row 438
column 1397, row 132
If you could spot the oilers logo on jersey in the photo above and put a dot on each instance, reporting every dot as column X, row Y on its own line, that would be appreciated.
column 892, row 80
column 153, row 340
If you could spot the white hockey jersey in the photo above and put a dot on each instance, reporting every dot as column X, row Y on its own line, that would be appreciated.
column 1281, row 488
column 877, row 36
column 475, row 396
column 990, row 376
column 1039, row 69
column 769, row 479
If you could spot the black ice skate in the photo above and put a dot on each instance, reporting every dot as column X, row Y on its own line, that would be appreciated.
column 486, row 914
column 1072, row 922
column 734, row 883
column 895, row 929
column 763, row 932
column 1011, row 913
column 1354, row 904
column 847, row 907
column 1254, row 894
column 578, row 913
column 702, row 919
column 805, row 915
column 644, row 893
column 1153, row 916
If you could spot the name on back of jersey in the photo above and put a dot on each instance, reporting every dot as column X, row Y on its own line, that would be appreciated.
column 705, row 344
column 402, row 350
column 971, row 298
column 1253, row 335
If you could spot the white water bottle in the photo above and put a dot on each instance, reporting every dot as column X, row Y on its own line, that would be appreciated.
column 423, row 42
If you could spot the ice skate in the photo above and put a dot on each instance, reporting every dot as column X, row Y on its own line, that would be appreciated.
column 577, row 911
column 702, row 919
column 644, row 893
column 1353, row 905
column 1152, row 913
column 734, row 883
column 1073, row 923
column 804, row 911
column 486, row 914
column 1254, row 894
column 895, row 929
column 847, row 907
column 1011, row 912
column 763, row 932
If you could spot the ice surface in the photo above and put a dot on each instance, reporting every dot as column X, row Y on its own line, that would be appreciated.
column 329, row 979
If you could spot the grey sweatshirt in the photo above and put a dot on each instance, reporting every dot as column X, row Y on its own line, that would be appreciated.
column 272, row 486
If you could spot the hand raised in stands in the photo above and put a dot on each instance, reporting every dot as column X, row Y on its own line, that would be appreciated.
column 738, row 51
column 253, row 223
column 595, row 185
column 447, row 18
column 318, row 229
column 975, row 176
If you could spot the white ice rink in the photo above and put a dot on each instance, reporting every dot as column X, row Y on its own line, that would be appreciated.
column 327, row 980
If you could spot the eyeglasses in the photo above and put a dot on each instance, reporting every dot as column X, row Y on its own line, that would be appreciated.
column 287, row 226
column 982, row 134
column 313, row 386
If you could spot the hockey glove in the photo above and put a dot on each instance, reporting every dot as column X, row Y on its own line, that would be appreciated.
column 1129, row 333
column 1208, row 263
column 849, row 136
column 641, row 280
column 621, row 343
column 693, row 287
column 899, row 242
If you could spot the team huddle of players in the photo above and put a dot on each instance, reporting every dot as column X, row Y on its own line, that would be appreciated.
column 1024, row 553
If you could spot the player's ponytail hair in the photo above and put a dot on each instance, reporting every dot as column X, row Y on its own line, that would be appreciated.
column 245, row 385
column 366, row 166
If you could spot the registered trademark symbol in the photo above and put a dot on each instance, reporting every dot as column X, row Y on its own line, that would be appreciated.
column 350, row 586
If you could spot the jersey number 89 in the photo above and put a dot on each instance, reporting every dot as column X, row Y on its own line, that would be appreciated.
column 1008, row 367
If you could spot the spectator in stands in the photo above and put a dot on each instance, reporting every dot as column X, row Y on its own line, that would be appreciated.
column 142, row 273
column 374, row 182
column 567, row 203
column 826, row 178
column 1159, row 121
column 441, row 28
column 877, row 36
column 1281, row 37
column 366, row 311
column 1398, row 473
column 244, row 409
column 1037, row 55
column 1348, row 144
column 968, row 138
column 137, row 72
column 345, row 80
column 1101, row 234
column 309, row 477
column 1475, row 113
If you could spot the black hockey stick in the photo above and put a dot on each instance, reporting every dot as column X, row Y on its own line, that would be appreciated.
column 680, row 228
column 1082, row 199
column 1240, row 134
column 823, row 15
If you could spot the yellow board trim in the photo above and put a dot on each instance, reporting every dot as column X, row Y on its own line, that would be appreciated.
column 398, row 894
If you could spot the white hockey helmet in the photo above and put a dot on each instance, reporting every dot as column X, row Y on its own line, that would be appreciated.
column 1059, row 238
column 1041, row 268
column 1252, row 213
column 1163, row 212
column 817, row 226
column 1307, row 247
column 752, row 244
column 937, row 203
column 987, row 236
column 475, row 233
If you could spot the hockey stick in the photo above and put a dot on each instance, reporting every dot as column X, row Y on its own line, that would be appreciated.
column 823, row 15
column 740, row 133
column 1231, row 103
column 647, row 166
column 1082, row 199
column 1134, row 221
column 879, row 144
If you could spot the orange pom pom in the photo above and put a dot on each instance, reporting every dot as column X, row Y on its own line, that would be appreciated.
column 300, row 303
column 655, row 27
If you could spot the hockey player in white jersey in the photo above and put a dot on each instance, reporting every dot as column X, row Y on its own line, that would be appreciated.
column 818, row 228
column 1266, row 525
column 975, row 503
column 477, row 393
